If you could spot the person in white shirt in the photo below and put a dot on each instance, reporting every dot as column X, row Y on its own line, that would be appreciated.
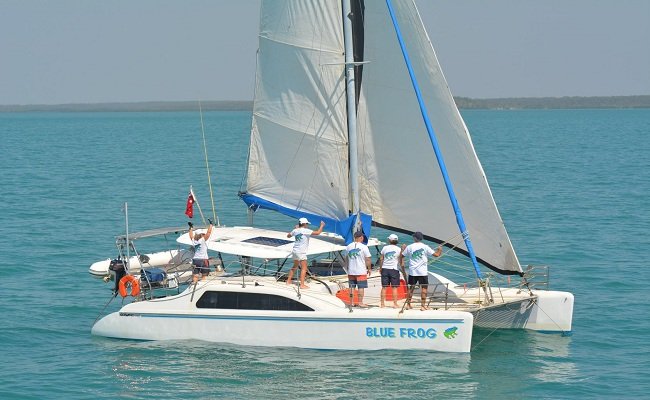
column 389, row 260
column 200, row 261
column 418, row 254
column 359, row 267
column 300, row 246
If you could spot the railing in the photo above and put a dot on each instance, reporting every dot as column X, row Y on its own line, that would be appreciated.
column 536, row 276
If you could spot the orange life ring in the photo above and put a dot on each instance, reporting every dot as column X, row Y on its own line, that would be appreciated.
column 134, row 283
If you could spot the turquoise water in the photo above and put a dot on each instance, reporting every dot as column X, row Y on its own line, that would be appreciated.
column 572, row 187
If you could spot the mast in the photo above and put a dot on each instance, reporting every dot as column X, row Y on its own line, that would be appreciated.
column 351, row 109
column 434, row 142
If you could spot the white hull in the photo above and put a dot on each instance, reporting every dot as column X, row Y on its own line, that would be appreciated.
column 330, row 325
column 547, row 311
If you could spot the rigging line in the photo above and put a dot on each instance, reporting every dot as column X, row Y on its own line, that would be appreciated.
column 207, row 166
column 106, row 305
column 564, row 333
column 482, row 340
column 434, row 141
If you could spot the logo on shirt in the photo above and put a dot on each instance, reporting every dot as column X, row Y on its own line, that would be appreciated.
column 390, row 255
column 354, row 253
column 417, row 254
column 299, row 237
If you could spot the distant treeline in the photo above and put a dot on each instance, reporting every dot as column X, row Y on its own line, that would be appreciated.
column 555, row 102
column 145, row 106
column 462, row 102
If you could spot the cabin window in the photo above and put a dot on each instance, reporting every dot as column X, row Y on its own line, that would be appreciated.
column 249, row 301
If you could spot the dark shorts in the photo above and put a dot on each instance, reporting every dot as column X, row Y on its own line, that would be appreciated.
column 422, row 280
column 389, row 277
column 201, row 267
column 359, row 281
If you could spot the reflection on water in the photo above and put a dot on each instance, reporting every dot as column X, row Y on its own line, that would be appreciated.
column 153, row 368
column 534, row 358
column 552, row 353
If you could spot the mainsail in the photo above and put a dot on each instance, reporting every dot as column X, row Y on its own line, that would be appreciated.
column 298, row 159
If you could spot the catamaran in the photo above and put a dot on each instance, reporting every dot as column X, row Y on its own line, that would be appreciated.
column 353, row 124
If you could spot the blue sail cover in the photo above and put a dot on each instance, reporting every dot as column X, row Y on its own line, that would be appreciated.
column 344, row 227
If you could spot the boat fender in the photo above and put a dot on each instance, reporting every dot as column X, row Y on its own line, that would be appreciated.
column 133, row 282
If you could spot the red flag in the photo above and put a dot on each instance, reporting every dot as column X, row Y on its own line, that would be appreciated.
column 189, row 210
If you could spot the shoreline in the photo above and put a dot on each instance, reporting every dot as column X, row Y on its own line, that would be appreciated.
column 514, row 103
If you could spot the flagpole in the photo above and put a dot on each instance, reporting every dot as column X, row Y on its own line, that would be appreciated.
column 197, row 204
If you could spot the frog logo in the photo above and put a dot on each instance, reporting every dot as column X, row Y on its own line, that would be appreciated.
column 354, row 253
column 390, row 255
column 451, row 333
column 299, row 237
column 417, row 254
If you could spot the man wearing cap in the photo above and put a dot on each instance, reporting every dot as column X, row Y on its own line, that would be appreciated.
column 359, row 267
column 300, row 246
column 418, row 254
column 389, row 259
column 200, row 261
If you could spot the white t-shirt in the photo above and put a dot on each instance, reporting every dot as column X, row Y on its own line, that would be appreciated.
column 301, row 244
column 417, row 254
column 200, row 249
column 357, row 253
column 391, row 256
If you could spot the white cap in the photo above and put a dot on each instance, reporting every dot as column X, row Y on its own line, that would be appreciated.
column 392, row 236
column 303, row 221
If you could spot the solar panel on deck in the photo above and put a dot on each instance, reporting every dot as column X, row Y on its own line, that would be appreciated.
column 267, row 241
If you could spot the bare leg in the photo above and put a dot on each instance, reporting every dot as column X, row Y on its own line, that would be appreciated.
column 409, row 297
column 303, row 274
column 361, row 303
column 423, row 298
column 291, row 271
column 383, row 297
column 394, row 297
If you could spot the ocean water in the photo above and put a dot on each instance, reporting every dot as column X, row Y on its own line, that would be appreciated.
column 572, row 186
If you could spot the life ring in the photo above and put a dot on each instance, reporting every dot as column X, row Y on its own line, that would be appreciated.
column 134, row 283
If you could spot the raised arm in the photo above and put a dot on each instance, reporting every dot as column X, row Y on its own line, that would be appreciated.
column 290, row 233
column 319, row 230
column 438, row 251
column 209, row 232
column 191, row 231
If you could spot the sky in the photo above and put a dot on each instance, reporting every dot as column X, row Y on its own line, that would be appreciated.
column 93, row 51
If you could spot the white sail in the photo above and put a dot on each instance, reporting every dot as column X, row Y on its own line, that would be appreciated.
column 298, row 151
column 402, row 186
